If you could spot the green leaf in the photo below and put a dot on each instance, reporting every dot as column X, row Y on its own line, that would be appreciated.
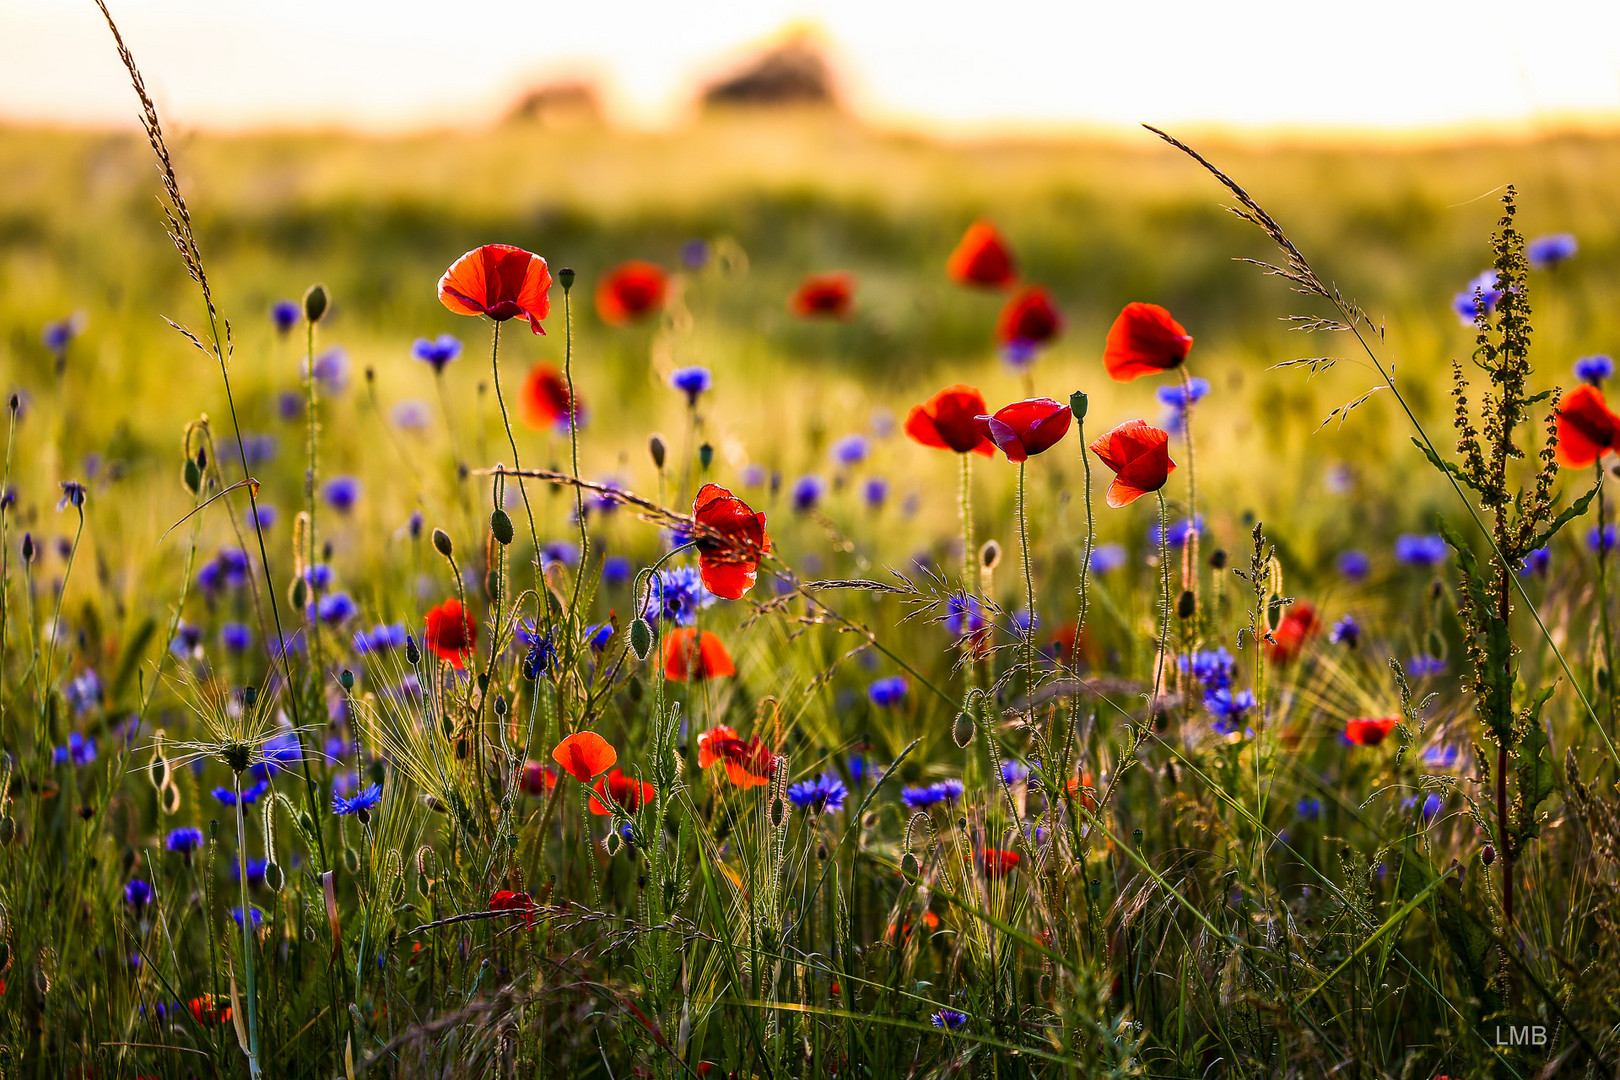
column 1575, row 510
column 1533, row 770
column 1443, row 466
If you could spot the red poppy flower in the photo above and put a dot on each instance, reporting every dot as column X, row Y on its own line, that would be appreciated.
column 982, row 258
column 1368, row 732
column 824, row 296
column 451, row 634
column 749, row 763
column 543, row 398
column 1029, row 316
column 1139, row 454
column 730, row 547
column 1085, row 787
column 1586, row 428
column 1144, row 340
column 631, row 794
column 631, row 291
column 500, row 281
column 929, row 920
column 950, row 421
column 997, row 863
column 585, row 755
column 1299, row 624
column 693, row 655
column 537, row 779
column 1026, row 428
column 519, row 903
column 207, row 1011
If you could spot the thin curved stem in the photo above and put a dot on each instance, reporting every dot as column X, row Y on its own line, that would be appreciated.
column 1603, row 590
column 1029, row 588
column 1164, row 598
column 511, row 440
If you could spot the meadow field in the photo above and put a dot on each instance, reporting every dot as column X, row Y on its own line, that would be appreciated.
column 1301, row 764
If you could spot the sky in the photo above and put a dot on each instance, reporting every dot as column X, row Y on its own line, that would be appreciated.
column 393, row 65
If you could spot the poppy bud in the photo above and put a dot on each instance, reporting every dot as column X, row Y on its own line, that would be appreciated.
column 305, row 822
column 371, row 374
column 635, row 689
column 1136, row 837
column 641, row 638
column 8, row 830
column 1186, row 605
column 1488, row 855
column 1217, row 558
column 442, row 544
column 990, row 555
column 1078, row 404
column 250, row 696
column 351, row 858
column 908, row 865
column 705, row 455
column 500, row 705
column 315, row 303
column 500, row 523
column 300, row 593
column 28, row 547
column 15, row 402
column 191, row 476
column 346, row 680
column 962, row 730
column 413, row 655
column 655, row 447
column 273, row 877
column 565, row 278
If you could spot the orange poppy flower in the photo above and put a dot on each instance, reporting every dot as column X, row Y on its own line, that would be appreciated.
column 631, row 794
column 631, row 291
column 929, row 920
column 997, row 863
column 694, row 655
column 537, row 779
column 207, row 1011
column 500, row 281
column 1299, row 624
column 949, row 421
column 749, row 763
column 731, row 542
column 520, row 904
column 1084, row 787
column 1586, row 428
column 1144, row 340
column 585, row 755
column 982, row 259
column 451, row 634
column 543, row 399
column 1029, row 316
column 1368, row 732
column 825, row 296
column 1139, row 454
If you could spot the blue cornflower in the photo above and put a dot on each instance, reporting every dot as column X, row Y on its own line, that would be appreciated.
column 1018, row 353
column 411, row 416
column 80, row 750
column 332, row 370
column 752, row 476
column 84, row 692
column 1594, row 369
column 184, row 840
column 284, row 315
column 676, row 595
column 436, row 352
column 255, row 871
column 250, row 794
column 1440, row 756
column 362, row 801
column 1602, row 538
column 262, row 517
column 1213, row 668
column 559, row 551
column 318, row 576
column 1014, row 772
column 851, row 450
column 341, row 493
column 597, row 636
column 58, row 334
column 1346, row 632
column 1106, row 558
column 963, row 615
column 137, row 893
column 1179, row 397
column 383, row 637
column 279, row 751
column 1353, row 565
column 289, row 404
column 255, row 913
column 413, row 525
column 336, row 608
column 257, row 449
column 857, row 767
column 336, row 748
column 949, row 790
column 1420, row 550
column 1309, row 809
column 186, row 639
column 948, row 1020
column 691, row 381
column 235, row 637
column 875, row 491
column 1423, row 666
column 1180, row 532
column 541, row 656
column 1537, row 562
column 921, row 798
column 695, row 254
column 887, row 693
column 822, row 795
column 1546, row 252
column 230, row 567
column 73, row 494
column 1466, row 303
column 807, row 492
column 1431, row 806
column 1227, row 708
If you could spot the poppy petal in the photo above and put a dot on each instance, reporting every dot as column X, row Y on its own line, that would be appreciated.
column 585, row 754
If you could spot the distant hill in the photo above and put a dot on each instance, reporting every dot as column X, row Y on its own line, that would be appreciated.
column 795, row 72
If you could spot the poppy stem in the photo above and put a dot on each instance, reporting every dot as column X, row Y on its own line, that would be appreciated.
column 312, row 446
column 511, row 440
column 965, row 505
column 1091, row 543
column 1164, row 599
column 1029, row 591
column 579, row 492
column 1603, row 588
column 5, row 564
column 247, row 934
column 1189, row 569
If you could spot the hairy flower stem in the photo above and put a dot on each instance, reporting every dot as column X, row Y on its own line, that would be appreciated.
column 1603, row 591
column 1164, row 599
column 1029, row 591
column 1091, row 543
column 312, row 426
column 247, row 934
column 969, row 565
column 56, row 619
column 1189, row 565
column 511, row 440
column 574, row 621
